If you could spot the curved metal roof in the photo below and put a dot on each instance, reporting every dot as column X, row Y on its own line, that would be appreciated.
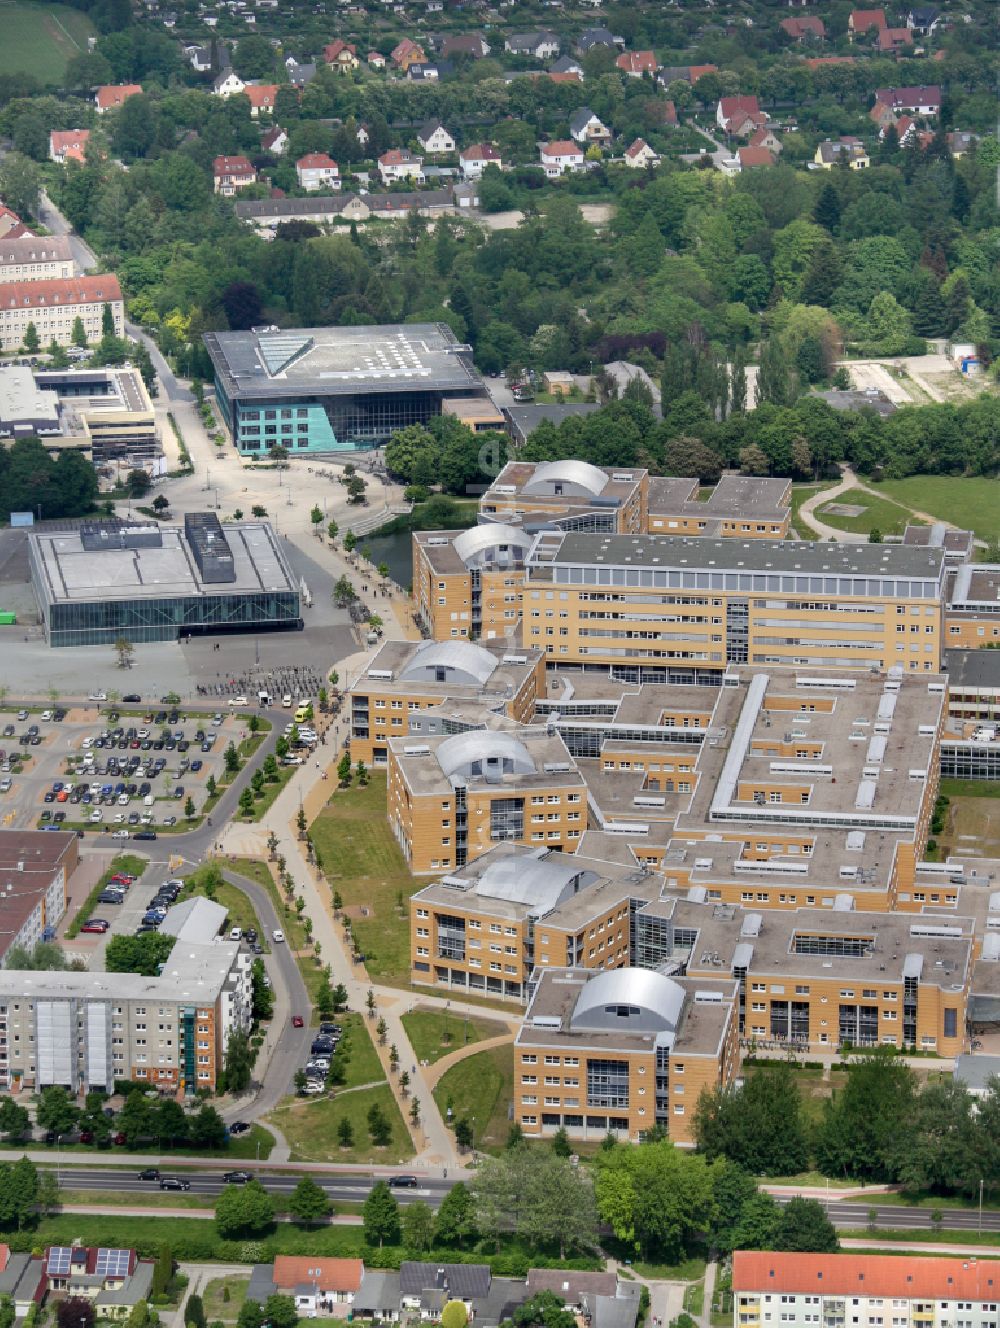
column 464, row 660
column 568, row 472
column 480, row 745
column 481, row 539
column 524, row 878
column 656, row 1000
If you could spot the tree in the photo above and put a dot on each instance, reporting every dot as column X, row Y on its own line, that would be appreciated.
column 654, row 1197
column 540, row 1199
column 232, row 760
column 76, row 1312
column 308, row 1203
column 332, row 531
column 463, row 1133
column 379, row 1126
column 14, row 1119
column 380, row 1216
column 804, row 1226
column 772, row 386
column 239, row 1063
column 189, row 808
column 163, row 1271
column 160, row 503
column 78, row 336
column 544, row 1310
column 56, row 1111
column 760, row 1126
column 246, row 802
column 18, row 1194
column 20, row 184
column 108, row 327
column 344, row 770
column 194, row 1311
column 345, row 1132
column 350, row 541
column 560, row 1143
column 418, row 1227
column 124, row 650
column 826, row 213
column 242, row 303
column 454, row 1315
column 47, row 1197
column 31, row 340
column 316, row 517
column 865, row 1125
column 143, row 954
column 280, row 1312
column 455, row 1222
column 243, row 1210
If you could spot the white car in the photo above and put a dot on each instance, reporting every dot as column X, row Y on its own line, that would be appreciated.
column 46, row 715
column 313, row 1088
column 286, row 700
column 87, row 742
column 96, row 815
column 119, row 818
column 292, row 760
column 123, row 799
column 97, row 696
column 237, row 700
column 236, row 934
column 277, row 936
column 119, row 834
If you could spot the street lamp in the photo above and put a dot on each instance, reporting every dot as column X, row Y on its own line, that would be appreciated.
column 980, row 1205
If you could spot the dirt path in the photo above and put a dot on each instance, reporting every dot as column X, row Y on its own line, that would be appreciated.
column 434, row 1072
column 848, row 482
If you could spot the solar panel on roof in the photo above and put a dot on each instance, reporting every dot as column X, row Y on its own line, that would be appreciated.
column 60, row 1257
column 113, row 1263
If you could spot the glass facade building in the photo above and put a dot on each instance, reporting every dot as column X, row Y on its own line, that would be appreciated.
column 101, row 622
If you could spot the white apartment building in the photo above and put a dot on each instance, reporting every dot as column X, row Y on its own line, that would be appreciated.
column 29, row 258
column 53, row 306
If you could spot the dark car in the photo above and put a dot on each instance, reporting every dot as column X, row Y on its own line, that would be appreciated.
column 403, row 1182
column 174, row 1183
column 145, row 834
column 195, row 767
column 132, row 699
column 150, row 1173
column 111, row 897
column 237, row 1177
column 321, row 1046
column 239, row 1127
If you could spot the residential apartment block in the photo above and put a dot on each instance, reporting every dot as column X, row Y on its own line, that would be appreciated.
column 35, row 868
column 53, row 306
column 674, row 609
column 972, row 607
column 469, row 585
column 32, row 259
column 85, row 1030
column 452, row 798
column 405, row 676
column 740, row 506
column 622, row 1052
column 799, row 1290
column 487, row 925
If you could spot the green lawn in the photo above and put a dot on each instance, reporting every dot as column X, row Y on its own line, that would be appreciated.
column 879, row 514
column 41, row 39
column 973, row 504
column 970, row 788
column 364, row 1066
column 362, row 861
column 436, row 1033
column 295, row 935
column 243, row 1147
column 156, row 1198
column 270, row 792
column 216, row 1305
column 310, row 1126
column 688, row 1270
column 800, row 493
column 481, row 1087
column 238, row 906
column 125, row 862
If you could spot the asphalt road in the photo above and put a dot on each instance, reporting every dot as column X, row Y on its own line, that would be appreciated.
column 348, row 1187
column 50, row 217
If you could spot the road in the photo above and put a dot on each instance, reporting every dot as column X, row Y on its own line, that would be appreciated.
column 54, row 221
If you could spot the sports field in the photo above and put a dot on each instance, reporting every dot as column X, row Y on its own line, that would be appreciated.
column 40, row 39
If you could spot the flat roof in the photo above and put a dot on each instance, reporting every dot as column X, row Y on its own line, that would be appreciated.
column 972, row 668
column 531, row 748
column 975, row 584
column 731, row 555
column 194, row 972
column 336, row 361
column 752, row 496
column 72, row 574
column 26, row 851
column 21, row 398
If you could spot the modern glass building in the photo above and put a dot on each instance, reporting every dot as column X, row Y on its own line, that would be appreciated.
column 162, row 583
column 335, row 389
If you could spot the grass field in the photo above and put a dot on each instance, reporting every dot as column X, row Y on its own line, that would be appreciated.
column 364, row 1066
column 41, row 39
column 481, row 1088
column 216, row 1305
column 800, row 493
column 879, row 514
column 311, row 1127
column 973, row 504
column 295, row 936
column 241, row 913
column 362, row 861
column 972, row 821
column 435, row 1033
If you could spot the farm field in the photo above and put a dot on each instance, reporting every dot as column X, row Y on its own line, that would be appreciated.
column 41, row 39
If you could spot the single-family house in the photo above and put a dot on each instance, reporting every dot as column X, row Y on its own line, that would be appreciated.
column 924, row 100
column 803, row 29
column 228, row 84
column 433, row 137
column 850, row 150
column 591, row 37
column 766, row 138
column 541, row 44
column 923, row 19
column 21, row 1278
column 400, row 164
column 894, row 39
column 567, row 65
column 68, row 145
column 317, row 171
column 317, row 1285
column 749, row 158
column 113, row 1280
column 376, row 60
column 637, row 63
column 883, row 116
column 470, row 44
column 423, row 71
column 861, row 21
column 560, row 156
column 262, row 97
column 11, row 225
column 475, row 158
column 586, row 128
column 960, row 142
column 300, row 72
column 342, row 55
column 406, row 52
column 110, row 96
column 377, row 1299
column 199, row 58
column 231, row 174
column 275, row 140
column 639, row 155
column 739, row 116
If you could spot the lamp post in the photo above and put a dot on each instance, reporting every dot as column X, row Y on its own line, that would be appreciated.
column 980, row 1205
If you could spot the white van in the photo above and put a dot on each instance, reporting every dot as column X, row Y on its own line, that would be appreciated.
column 148, row 800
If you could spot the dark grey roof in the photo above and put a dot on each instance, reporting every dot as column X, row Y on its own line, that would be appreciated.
column 579, row 120
column 465, row 1281
column 564, row 65
column 853, row 400
column 18, row 1267
column 262, row 1283
column 428, row 127
column 591, row 37
column 525, row 419
column 666, row 551
column 976, row 1071
column 973, row 668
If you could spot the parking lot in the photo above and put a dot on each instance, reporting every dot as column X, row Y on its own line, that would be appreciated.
column 129, row 776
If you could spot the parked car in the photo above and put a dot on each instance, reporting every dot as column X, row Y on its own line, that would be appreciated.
column 97, row 925
column 297, row 1020
column 239, row 1127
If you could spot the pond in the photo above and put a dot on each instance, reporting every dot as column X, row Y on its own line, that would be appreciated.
column 393, row 550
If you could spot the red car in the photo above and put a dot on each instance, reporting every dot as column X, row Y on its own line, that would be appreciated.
column 99, row 927
column 297, row 1021
column 120, row 1139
